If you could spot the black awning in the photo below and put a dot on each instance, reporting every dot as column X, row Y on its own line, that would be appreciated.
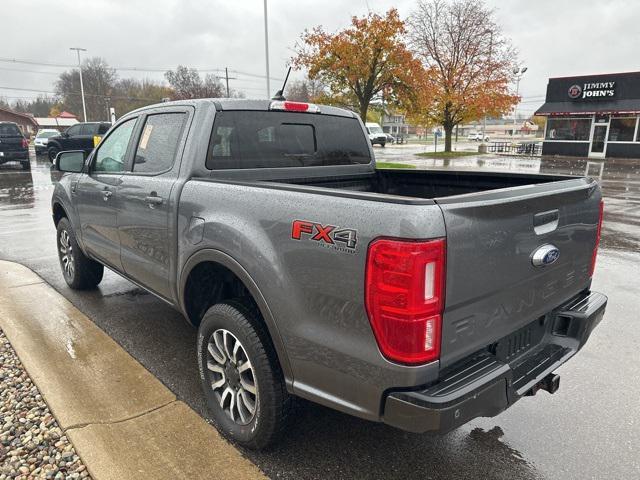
column 613, row 106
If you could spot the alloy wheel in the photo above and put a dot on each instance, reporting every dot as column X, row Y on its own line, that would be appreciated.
column 232, row 377
column 66, row 254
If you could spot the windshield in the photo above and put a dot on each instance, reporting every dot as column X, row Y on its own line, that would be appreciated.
column 375, row 129
column 9, row 130
column 49, row 134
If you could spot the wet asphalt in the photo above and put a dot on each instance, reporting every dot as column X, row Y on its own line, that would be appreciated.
column 589, row 429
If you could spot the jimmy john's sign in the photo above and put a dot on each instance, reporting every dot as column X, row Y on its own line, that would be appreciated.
column 592, row 90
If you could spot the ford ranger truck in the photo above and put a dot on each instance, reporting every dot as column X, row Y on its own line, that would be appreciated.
column 421, row 299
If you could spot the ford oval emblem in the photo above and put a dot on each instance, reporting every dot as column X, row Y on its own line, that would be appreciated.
column 545, row 255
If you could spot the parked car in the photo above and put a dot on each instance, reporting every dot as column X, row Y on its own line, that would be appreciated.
column 421, row 299
column 376, row 135
column 477, row 137
column 77, row 137
column 14, row 147
column 42, row 139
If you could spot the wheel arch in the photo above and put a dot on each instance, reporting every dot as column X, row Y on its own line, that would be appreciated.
column 58, row 212
column 218, row 259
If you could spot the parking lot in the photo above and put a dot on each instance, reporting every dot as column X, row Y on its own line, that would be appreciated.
column 588, row 429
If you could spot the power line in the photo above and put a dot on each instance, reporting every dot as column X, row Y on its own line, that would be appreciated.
column 132, row 69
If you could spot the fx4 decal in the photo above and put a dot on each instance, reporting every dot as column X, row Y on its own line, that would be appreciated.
column 344, row 239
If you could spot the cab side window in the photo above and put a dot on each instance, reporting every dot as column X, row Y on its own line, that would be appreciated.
column 159, row 142
column 110, row 157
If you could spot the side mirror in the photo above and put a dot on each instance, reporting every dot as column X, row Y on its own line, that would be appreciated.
column 64, row 135
column 71, row 161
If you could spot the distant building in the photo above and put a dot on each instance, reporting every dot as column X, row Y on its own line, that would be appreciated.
column 395, row 124
column 57, row 123
column 26, row 122
column 499, row 127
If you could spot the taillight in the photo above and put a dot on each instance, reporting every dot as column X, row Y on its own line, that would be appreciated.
column 25, row 143
column 294, row 106
column 404, row 295
column 592, row 267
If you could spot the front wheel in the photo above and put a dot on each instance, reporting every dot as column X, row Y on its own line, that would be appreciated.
column 242, row 380
column 79, row 271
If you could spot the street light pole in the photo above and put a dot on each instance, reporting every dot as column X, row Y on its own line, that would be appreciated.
column 518, row 72
column 484, row 120
column 84, row 106
column 266, row 47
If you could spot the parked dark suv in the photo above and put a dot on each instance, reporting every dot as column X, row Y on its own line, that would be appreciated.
column 77, row 137
column 13, row 146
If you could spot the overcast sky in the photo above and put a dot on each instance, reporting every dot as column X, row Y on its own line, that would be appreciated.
column 554, row 37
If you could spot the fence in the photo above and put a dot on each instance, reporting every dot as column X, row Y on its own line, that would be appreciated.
column 523, row 148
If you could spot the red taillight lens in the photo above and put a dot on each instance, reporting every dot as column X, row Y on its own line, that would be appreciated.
column 592, row 267
column 404, row 298
column 25, row 143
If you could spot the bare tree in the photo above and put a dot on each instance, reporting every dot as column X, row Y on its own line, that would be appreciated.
column 99, row 80
column 469, row 63
column 186, row 83
column 306, row 90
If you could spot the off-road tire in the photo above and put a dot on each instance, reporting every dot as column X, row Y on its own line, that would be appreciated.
column 274, row 404
column 86, row 273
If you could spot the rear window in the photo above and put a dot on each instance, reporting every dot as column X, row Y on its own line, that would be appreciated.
column 9, row 130
column 248, row 139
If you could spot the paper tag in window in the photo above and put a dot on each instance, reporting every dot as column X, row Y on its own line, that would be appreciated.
column 145, row 136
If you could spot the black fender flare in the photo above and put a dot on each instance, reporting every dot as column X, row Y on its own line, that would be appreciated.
column 53, row 144
column 217, row 256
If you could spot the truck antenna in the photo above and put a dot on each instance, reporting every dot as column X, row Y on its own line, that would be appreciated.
column 280, row 93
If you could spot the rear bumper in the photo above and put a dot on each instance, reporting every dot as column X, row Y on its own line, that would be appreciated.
column 488, row 383
column 12, row 155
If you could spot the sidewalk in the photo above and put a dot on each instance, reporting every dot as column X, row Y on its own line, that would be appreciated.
column 121, row 420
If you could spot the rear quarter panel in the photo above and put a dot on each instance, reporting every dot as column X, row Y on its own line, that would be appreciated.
column 314, row 291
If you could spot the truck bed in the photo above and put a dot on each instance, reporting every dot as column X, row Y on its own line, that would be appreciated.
column 426, row 184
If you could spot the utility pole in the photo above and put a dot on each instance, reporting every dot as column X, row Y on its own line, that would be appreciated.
column 518, row 72
column 84, row 106
column 227, row 78
column 266, row 47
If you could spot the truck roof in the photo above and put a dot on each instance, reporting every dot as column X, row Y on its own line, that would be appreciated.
column 244, row 104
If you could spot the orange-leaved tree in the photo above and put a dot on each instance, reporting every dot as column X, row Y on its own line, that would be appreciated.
column 468, row 62
column 361, row 62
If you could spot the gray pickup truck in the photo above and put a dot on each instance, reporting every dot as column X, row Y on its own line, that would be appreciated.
column 421, row 299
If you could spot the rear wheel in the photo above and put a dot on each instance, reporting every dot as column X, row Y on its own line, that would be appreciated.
column 53, row 153
column 79, row 271
column 242, row 380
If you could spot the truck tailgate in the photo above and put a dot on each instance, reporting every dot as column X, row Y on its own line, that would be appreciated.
column 492, row 286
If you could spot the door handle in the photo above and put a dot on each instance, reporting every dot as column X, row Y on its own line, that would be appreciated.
column 153, row 200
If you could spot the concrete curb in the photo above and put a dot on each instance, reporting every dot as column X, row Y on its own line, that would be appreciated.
column 122, row 421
